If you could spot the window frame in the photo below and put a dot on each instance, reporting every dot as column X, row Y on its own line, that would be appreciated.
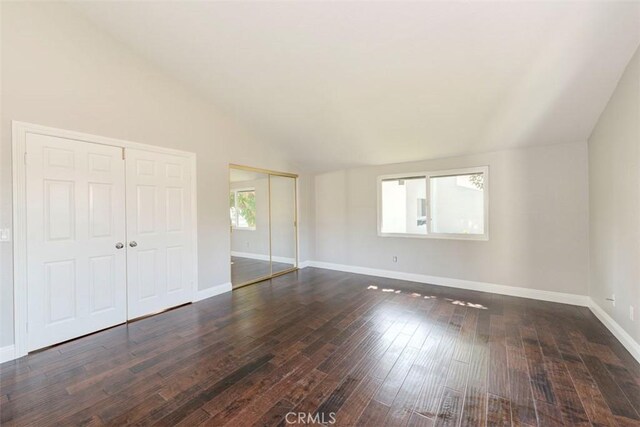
column 435, row 174
column 235, row 192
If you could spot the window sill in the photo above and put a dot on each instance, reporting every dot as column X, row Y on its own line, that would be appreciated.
column 476, row 237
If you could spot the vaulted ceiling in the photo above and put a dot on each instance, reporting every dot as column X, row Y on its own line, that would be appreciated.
column 351, row 83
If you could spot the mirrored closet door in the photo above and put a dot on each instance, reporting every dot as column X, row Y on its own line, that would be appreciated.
column 263, row 223
column 283, row 223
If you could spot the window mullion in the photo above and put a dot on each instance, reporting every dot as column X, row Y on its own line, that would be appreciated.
column 236, row 210
column 427, row 178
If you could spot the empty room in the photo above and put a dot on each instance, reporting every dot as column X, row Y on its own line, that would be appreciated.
column 338, row 213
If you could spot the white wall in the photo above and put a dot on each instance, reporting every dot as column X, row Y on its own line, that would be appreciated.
column 614, row 196
column 306, row 218
column 538, row 224
column 59, row 71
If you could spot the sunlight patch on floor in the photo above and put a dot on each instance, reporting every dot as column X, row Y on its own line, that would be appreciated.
column 418, row 295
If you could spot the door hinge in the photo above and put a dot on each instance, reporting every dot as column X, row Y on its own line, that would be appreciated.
column 122, row 153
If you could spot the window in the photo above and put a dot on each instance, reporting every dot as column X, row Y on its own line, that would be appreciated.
column 446, row 204
column 403, row 205
column 242, row 209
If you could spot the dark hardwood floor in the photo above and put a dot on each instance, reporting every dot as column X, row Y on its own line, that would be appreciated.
column 244, row 270
column 361, row 350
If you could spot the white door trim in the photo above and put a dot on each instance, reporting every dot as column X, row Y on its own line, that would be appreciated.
column 19, row 133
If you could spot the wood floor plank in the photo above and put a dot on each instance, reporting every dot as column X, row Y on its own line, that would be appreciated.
column 450, row 408
column 457, row 376
column 401, row 409
column 591, row 397
column 438, row 365
column 474, row 412
column 549, row 415
column 275, row 415
column 569, row 402
column 498, row 376
column 612, row 393
column 373, row 415
column 328, row 343
column 395, row 378
column 522, row 405
column 498, row 411
column 540, row 380
column 355, row 404
column 625, row 380
column 418, row 420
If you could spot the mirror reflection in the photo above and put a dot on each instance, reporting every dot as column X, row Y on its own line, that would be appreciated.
column 249, row 215
column 262, row 214
column 283, row 223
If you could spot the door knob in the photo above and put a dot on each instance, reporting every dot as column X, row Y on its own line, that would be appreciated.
column 133, row 244
column 119, row 245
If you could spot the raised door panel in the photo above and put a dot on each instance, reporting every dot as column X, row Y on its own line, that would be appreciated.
column 61, row 158
column 100, row 210
column 102, row 276
column 59, row 210
column 60, row 291
column 147, row 277
column 175, row 266
column 99, row 163
column 175, row 209
column 146, row 205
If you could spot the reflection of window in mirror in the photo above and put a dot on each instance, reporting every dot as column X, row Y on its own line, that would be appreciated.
column 242, row 208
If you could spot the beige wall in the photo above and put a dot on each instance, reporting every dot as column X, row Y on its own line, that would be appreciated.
column 59, row 71
column 538, row 223
column 614, row 196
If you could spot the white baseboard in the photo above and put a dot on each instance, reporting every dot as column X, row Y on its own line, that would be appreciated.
column 213, row 291
column 304, row 264
column 614, row 327
column 538, row 294
column 263, row 257
column 7, row 353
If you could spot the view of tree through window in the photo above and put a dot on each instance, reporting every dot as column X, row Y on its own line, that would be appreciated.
column 477, row 179
column 457, row 204
column 243, row 208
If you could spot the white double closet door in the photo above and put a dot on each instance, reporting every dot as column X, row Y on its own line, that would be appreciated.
column 108, row 239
